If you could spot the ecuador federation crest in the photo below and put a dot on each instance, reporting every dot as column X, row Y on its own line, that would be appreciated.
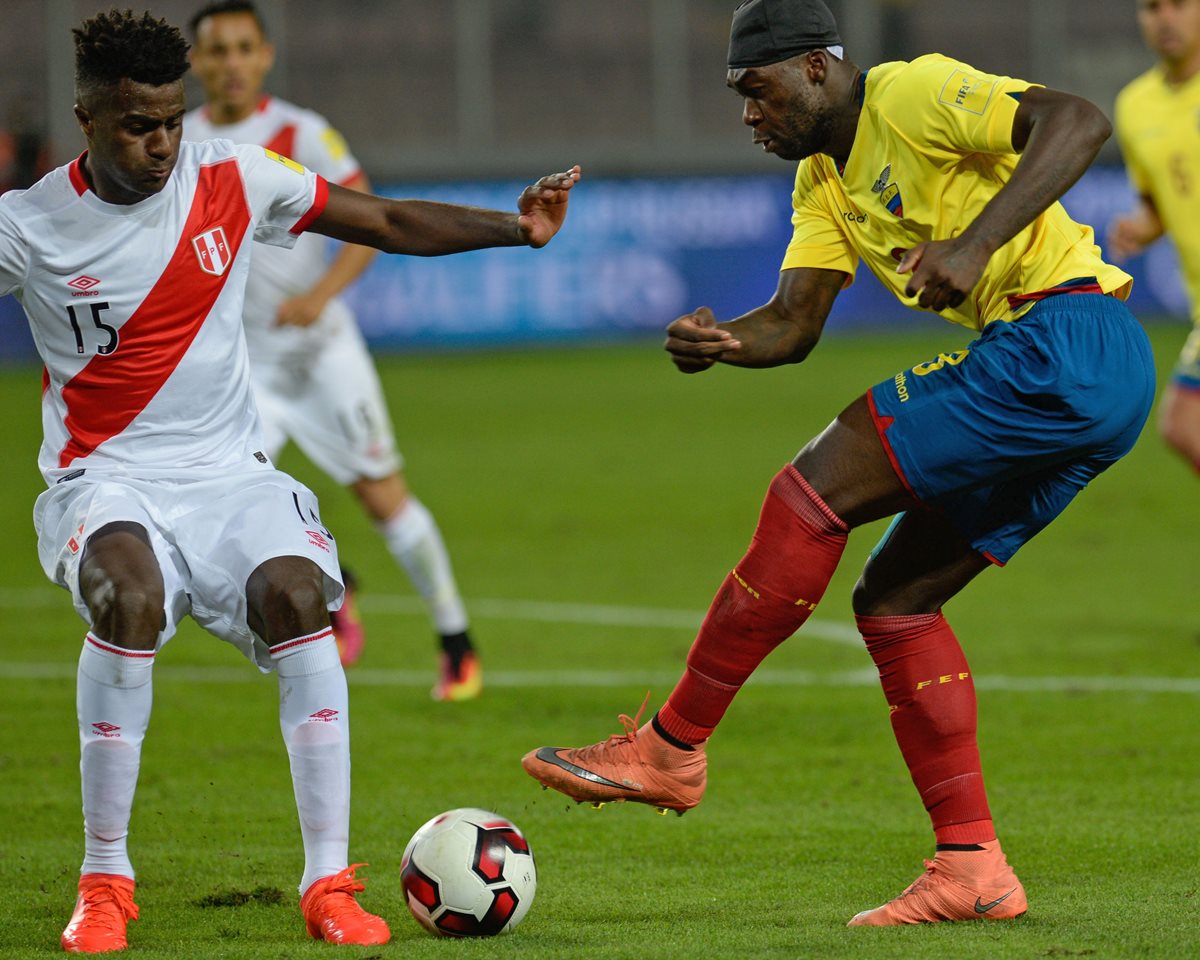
column 889, row 193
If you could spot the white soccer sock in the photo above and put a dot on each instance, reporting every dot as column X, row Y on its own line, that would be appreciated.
column 113, row 695
column 315, row 719
column 413, row 538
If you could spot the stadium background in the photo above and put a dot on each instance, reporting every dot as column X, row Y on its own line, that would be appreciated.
column 469, row 99
column 592, row 499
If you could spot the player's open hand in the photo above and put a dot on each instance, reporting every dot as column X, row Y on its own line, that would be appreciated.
column 695, row 342
column 301, row 311
column 943, row 272
column 1130, row 235
column 543, row 207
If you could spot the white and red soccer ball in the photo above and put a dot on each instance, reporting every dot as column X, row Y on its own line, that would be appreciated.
column 468, row 873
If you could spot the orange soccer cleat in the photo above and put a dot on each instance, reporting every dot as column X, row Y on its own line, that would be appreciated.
column 956, row 885
column 638, row 765
column 331, row 912
column 105, row 904
column 465, row 683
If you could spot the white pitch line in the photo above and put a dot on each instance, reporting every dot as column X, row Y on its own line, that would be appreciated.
column 526, row 679
column 531, row 611
column 541, row 611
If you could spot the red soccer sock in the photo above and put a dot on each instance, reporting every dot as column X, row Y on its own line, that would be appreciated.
column 762, row 602
column 928, row 686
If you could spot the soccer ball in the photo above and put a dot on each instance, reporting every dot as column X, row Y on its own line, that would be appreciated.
column 468, row 873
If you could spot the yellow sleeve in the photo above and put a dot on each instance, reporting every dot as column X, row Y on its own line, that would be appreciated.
column 817, row 239
column 953, row 106
column 1121, row 120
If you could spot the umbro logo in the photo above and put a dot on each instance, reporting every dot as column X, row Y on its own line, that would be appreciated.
column 106, row 729
column 324, row 716
column 82, row 285
column 318, row 540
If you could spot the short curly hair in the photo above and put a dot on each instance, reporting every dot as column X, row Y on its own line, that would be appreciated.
column 119, row 45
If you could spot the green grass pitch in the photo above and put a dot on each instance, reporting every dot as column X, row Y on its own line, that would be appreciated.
column 593, row 499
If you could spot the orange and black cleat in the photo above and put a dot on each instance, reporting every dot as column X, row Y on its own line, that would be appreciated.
column 638, row 766
column 956, row 885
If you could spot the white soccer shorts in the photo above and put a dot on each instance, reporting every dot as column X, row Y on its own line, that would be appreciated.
column 208, row 536
column 330, row 402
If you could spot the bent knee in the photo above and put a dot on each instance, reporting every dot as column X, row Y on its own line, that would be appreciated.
column 286, row 598
column 870, row 599
column 127, row 612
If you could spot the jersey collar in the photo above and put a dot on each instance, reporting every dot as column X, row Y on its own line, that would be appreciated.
column 860, row 97
column 75, row 172
column 92, row 199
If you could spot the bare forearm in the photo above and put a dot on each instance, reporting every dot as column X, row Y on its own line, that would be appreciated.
column 768, row 339
column 1061, row 146
column 424, row 228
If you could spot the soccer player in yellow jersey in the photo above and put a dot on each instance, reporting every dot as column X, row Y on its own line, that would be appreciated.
column 1158, row 126
column 944, row 180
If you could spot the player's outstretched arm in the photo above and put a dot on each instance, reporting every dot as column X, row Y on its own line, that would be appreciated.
column 427, row 229
column 1058, row 136
column 783, row 330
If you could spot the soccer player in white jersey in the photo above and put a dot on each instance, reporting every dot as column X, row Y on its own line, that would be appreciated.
column 313, row 378
column 131, row 264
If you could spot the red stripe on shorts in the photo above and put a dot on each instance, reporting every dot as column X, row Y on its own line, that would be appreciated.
column 881, row 427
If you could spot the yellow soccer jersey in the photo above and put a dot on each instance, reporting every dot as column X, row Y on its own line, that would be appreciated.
column 933, row 146
column 1158, row 127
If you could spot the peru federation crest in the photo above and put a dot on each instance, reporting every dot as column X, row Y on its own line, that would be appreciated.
column 212, row 250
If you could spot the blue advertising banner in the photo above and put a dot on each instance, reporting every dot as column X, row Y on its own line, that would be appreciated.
column 635, row 254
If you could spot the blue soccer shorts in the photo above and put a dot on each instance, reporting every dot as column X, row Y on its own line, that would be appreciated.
column 1001, row 435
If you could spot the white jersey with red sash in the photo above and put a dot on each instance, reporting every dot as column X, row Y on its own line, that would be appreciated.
column 136, row 309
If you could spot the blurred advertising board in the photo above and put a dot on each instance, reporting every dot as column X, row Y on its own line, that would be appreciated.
column 635, row 254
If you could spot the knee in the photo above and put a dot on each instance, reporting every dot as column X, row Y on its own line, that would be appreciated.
column 870, row 598
column 127, row 612
column 286, row 601
column 865, row 602
column 1179, row 422
column 1181, row 436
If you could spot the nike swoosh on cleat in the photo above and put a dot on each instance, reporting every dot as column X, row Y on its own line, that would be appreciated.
column 985, row 907
column 548, row 755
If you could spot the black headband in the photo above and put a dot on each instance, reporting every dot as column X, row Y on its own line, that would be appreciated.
column 768, row 31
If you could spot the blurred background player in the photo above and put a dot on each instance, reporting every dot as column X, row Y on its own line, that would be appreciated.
column 1158, row 127
column 943, row 180
column 314, row 381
